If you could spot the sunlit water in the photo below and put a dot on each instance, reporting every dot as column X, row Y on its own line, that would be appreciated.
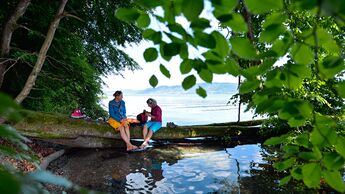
column 187, row 109
column 174, row 169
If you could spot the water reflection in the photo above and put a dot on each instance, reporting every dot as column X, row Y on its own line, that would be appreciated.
column 172, row 169
column 187, row 170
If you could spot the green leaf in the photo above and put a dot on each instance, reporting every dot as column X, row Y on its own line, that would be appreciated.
column 243, row 48
column 302, row 54
column 201, row 92
column 9, row 110
column 296, row 173
column 171, row 8
column 192, row 9
column 235, row 21
column 178, row 29
column 325, row 127
column 326, row 41
column 200, row 24
column 223, row 6
column 249, row 86
column 271, row 33
column 48, row 177
column 264, row 6
column 340, row 87
column 274, row 18
column 311, row 175
column 276, row 140
column 171, row 49
column 153, row 81
column 164, row 55
column 280, row 166
column 340, row 146
column 174, row 39
column 232, row 67
column 308, row 156
column 150, row 34
column 205, row 40
column 284, row 180
column 333, row 161
column 8, row 183
column 143, row 20
column 184, row 51
column 188, row 82
column 317, row 139
column 127, row 14
column 335, row 180
column 291, row 149
column 222, row 45
column 150, row 54
column 164, row 71
column 8, row 132
column 149, row 3
column 303, row 140
column 206, row 75
column 331, row 66
column 281, row 46
column 186, row 66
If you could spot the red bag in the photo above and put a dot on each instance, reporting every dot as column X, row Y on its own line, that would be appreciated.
column 142, row 118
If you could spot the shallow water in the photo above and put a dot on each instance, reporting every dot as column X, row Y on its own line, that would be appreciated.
column 174, row 169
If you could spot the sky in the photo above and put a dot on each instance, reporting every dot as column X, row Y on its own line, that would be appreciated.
column 139, row 79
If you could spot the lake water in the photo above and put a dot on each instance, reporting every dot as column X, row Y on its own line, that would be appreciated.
column 175, row 169
column 187, row 109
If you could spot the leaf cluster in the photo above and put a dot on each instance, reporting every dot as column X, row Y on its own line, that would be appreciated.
column 306, row 90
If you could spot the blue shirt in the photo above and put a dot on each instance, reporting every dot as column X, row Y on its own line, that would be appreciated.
column 117, row 110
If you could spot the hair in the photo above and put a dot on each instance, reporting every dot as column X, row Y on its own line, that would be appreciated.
column 151, row 101
column 117, row 93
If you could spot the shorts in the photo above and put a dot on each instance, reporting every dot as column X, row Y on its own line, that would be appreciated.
column 154, row 126
column 115, row 124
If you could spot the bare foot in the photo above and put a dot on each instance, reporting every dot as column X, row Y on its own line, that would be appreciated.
column 143, row 145
column 131, row 147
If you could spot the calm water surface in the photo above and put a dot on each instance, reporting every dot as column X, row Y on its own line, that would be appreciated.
column 174, row 169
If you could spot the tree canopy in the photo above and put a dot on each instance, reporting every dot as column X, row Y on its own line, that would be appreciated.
column 85, row 47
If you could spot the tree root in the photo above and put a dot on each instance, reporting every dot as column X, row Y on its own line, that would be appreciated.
column 46, row 161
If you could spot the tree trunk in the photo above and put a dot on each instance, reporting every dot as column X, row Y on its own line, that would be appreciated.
column 42, row 55
column 6, row 35
column 239, row 101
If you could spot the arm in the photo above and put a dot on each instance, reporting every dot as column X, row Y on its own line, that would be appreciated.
column 123, row 104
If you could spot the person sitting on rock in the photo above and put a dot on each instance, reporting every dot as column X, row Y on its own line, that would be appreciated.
column 118, row 119
column 154, row 124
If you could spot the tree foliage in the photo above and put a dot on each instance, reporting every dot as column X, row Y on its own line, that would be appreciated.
column 85, row 47
column 306, row 90
column 13, row 181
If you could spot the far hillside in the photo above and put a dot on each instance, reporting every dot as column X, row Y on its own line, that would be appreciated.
column 214, row 88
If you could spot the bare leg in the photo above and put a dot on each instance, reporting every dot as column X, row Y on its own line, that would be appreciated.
column 144, row 131
column 147, row 134
column 128, row 133
column 125, row 138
